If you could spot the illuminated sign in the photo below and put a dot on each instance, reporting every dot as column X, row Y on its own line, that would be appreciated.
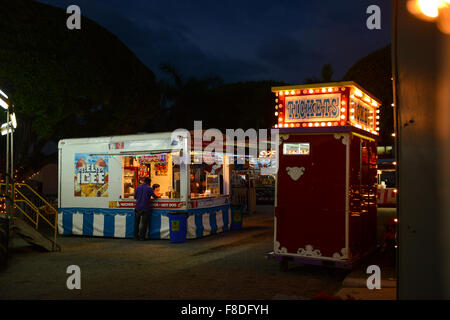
column 323, row 107
column 363, row 114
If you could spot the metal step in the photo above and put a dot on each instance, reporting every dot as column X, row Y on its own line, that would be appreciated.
column 33, row 236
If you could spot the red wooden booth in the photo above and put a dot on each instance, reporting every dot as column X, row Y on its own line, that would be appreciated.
column 326, row 190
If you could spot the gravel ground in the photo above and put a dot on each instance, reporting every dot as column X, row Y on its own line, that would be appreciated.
column 230, row 265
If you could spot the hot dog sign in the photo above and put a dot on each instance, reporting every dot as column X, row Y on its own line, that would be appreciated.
column 91, row 176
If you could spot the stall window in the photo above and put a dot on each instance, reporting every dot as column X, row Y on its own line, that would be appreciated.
column 158, row 167
column 296, row 149
column 206, row 180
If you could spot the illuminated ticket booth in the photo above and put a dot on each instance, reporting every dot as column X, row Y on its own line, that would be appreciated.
column 98, row 178
column 326, row 190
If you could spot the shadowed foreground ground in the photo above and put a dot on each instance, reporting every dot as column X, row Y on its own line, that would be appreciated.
column 230, row 265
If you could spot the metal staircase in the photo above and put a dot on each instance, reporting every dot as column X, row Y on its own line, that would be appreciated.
column 32, row 216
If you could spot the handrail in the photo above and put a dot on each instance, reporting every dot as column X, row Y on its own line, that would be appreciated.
column 37, row 194
column 30, row 204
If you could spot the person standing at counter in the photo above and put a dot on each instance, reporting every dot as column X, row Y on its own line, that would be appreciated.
column 143, row 196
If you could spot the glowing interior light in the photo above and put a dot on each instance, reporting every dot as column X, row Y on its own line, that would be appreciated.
column 378, row 117
column 353, row 97
column 367, row 99
column 352, row 117
column 276, row 126
column 323, row 124
column 378, row 123
column 280, row 119
column 378, row 111
column 286, row 125
column 311, row 91
column 343, row 109
column 329, row 124
column 276, row 100
column 276, row 114
column 395, row 220
column 316, row 124
column 292, row 125
column 286, row 93
column 394, row 163
column 324, row 90
column 343, row 117
column 292, row 92
column 393, row 134
column 352, row 110
column 343, row 102
column 358, row 93
column 310, row 124
column 330, row 90
column 281, row 93
column 374, row 104
column 378, row 129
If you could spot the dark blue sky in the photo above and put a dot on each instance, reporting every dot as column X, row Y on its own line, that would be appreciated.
column 243, row 40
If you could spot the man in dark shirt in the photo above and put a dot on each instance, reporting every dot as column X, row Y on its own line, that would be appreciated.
column 143, row 194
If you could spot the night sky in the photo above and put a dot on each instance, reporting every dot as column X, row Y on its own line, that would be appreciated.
column 243, row 40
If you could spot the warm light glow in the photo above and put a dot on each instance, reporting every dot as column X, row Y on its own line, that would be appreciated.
column 394, row 134
column 286, row 125
column 324, row 90
column 367, row 99
column 276, row 114
column 394, row 163
column 343, row 102
column 343, row 109
column 378, row 111
column 286, row 93
column 343, row 117
column 292, row 92
column 352, row 110
column 395, row 220
column 310, row 124
column 323, row 124
column 378, row 117
column 311, row 91
column 374, row 104
column 276, row 126
column 280, row 119
column 430, row 8
column 330, row 90
column 329, row 124
column 358, row 93
column 316, row 124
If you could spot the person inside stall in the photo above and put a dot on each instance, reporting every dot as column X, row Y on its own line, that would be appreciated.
column 195, row 185
column 157, row 188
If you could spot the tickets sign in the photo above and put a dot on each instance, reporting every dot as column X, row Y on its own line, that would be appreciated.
column 322, row 107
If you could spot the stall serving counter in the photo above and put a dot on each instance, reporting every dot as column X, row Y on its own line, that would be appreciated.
column 98, row 178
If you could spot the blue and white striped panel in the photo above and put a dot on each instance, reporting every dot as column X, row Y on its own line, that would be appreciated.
column 120, row 224
column 207, row 221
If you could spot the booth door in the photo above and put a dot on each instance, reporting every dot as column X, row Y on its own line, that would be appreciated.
column 311, row 195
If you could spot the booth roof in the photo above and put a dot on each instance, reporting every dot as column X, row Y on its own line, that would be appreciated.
column 326, row 85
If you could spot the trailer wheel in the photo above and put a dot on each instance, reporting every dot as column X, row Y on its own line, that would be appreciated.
column 284, row 265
